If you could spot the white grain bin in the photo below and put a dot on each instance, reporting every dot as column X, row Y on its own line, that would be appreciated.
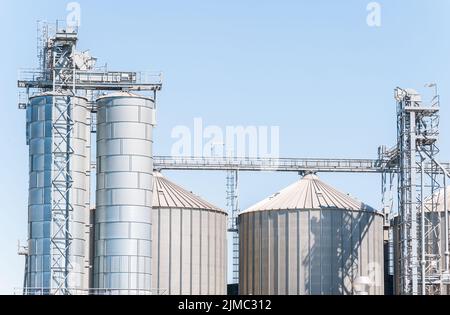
column 189, row 245
column 310, row 238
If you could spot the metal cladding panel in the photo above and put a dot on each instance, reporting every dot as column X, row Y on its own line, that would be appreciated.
column 40, row 136
column 122, row 258
column 204, row 253
column 379, row 255
column 282, row 249
column 186, row 230
column 326, row 253
column 243, row 239
column 435, row 242
column 186, row 260
column 196, row 266
column 223, row 261
column 292, row 260
column 212, row 253
column 263, row 223
column 309, row 251
column 175, row 248
column 314, row 282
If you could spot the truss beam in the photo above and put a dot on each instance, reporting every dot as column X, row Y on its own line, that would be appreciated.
column 279, row 165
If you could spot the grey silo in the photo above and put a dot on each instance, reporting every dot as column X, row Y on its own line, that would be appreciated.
column 122, row 258
column 189, row 242
column 41, row 113
column 310, row 238
column 434, row 241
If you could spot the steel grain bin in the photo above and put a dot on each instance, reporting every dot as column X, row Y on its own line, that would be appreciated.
column 310, row 238
column 189, row 250
column 435, row 244
column 53, row 145
column 122, row 258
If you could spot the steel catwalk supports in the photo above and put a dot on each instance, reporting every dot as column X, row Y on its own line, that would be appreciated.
column 298, row 165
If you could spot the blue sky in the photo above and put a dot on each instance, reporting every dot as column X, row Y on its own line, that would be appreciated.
column 314, row 68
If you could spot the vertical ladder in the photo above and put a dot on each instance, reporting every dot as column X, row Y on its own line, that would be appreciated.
column 233, row 207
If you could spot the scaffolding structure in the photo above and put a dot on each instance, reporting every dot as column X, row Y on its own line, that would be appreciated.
column 418, row 181
column 57, row 57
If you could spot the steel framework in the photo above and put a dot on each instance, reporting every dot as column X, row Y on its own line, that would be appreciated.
column 381, row 165
column 60, row 49
column 419, row 177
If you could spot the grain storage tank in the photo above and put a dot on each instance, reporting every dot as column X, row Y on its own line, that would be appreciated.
column 310, row 238
column 49, row 146
column 434, row 242
column 122, row 258
column 189, row 252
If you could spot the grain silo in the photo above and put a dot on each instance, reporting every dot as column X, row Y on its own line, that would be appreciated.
column 58, row 182
column 310, row 238
column 122, row 258
column 435, row 243
column 189, row 253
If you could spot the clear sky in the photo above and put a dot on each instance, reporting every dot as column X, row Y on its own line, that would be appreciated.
column 313, row 68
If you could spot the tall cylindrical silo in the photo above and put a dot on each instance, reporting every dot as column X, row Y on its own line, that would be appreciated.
column 46, row 139
column 189, row 242
column 122, row 259
column 310, row 239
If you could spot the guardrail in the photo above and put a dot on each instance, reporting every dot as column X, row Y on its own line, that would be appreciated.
column 269, row 164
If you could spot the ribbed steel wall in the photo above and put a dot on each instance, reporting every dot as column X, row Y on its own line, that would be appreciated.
column 309, row 251
column 40, row 137
column 189, row 251
column 124, row 193
column 433, row 246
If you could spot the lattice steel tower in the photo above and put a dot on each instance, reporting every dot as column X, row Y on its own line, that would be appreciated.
column 420, row 257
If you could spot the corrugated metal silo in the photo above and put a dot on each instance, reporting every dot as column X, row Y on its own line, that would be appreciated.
column 434, row 240
column 310, row 239
column 122, row 259
column 42, row 138
column 189, row 242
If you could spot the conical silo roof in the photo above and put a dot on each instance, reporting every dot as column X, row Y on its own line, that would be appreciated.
column 167, row 194
column 123, row 94
column 309, row 193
